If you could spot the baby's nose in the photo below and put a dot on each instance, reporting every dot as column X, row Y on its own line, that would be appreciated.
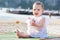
column 36, row 10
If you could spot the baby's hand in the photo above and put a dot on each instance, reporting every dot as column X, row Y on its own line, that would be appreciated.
column 32, row 23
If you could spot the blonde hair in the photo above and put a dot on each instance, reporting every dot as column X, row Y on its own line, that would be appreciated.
column 39, row 3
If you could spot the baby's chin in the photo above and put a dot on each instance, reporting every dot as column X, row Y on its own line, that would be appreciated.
column 36, row 15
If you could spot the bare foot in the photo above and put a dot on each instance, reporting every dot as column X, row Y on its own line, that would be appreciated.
column 19, row 34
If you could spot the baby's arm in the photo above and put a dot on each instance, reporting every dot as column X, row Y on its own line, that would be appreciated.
column 40, row 25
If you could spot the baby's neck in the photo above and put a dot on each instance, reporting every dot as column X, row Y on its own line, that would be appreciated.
column 37, row 16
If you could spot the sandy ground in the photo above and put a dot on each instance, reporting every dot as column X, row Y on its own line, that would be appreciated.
column 10, row 26
column 54, row 27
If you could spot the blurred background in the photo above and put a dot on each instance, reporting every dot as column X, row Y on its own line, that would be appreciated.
column 49, row 4
column 14, row 13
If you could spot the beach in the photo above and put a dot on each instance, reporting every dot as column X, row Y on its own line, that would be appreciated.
column 53, row 28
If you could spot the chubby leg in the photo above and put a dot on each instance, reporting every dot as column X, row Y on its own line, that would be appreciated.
column 22, row 35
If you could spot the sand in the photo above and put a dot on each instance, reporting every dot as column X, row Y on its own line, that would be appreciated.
column 10, row 26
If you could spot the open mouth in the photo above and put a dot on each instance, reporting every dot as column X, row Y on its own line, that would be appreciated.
column 36, row 13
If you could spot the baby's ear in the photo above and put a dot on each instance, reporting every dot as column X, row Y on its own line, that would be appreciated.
column 43, row 10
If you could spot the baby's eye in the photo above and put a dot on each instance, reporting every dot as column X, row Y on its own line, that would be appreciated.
column 34, row 9
column 38, row 9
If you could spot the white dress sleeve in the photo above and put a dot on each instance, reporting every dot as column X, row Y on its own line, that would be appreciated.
column 47, row 19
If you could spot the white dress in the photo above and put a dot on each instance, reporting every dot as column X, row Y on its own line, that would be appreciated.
column 33, row 32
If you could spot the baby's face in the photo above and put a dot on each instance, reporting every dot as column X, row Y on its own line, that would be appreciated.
column 37, row 10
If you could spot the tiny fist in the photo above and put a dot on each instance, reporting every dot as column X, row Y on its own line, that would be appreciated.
column 33, row 20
